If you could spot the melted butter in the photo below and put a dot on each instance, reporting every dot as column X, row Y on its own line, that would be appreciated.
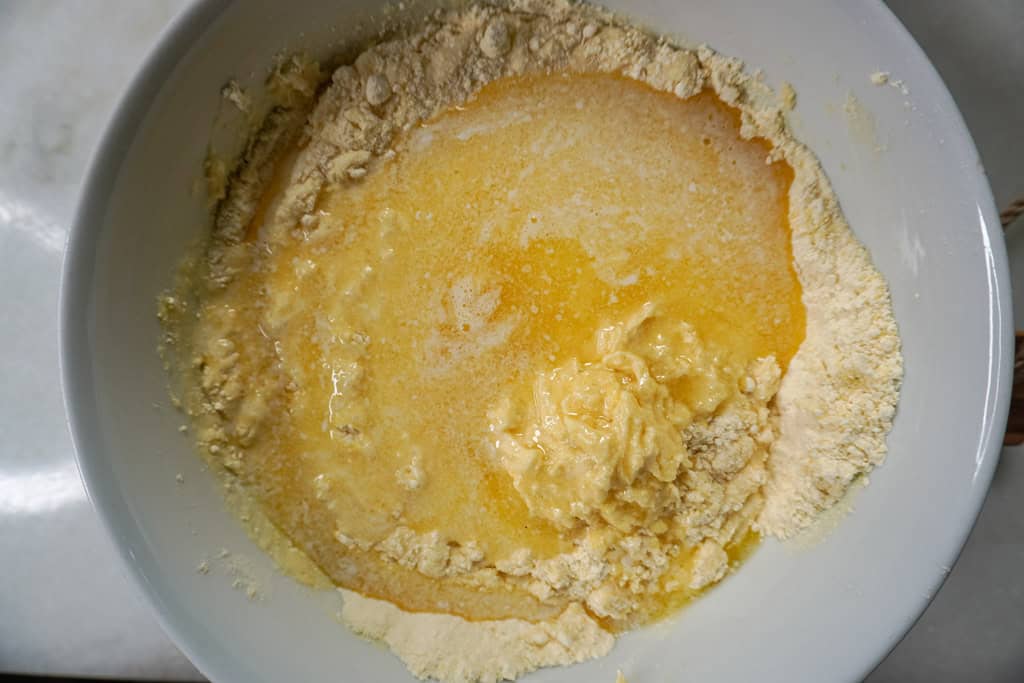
column 492, row 247
column 672, row 601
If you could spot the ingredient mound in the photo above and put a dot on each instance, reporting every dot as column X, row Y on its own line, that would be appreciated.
column 523, row 327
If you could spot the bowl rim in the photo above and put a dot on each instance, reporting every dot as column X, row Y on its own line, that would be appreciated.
column 78, row 266
column 1000, row 340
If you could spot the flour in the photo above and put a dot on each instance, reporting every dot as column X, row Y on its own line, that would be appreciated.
column 861, row 124
column 488, row 651
column 233, row 93
column 779, row 454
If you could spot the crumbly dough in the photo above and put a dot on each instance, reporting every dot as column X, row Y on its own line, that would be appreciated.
column 600, row 446
column 772, row 454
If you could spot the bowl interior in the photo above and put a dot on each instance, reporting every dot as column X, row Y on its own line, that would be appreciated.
column 828, row 612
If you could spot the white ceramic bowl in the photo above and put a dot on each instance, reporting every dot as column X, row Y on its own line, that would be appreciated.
column 828, row 613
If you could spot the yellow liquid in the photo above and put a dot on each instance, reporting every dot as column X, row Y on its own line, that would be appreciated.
column 498, row 240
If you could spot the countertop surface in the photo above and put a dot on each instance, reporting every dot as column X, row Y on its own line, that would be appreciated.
column 66, row 608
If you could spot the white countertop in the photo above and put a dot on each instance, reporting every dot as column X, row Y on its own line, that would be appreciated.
column 65, row 607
